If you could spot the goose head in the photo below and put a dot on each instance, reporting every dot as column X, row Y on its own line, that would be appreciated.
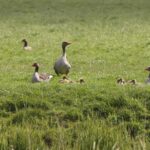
column 64, row 44
column 25, row 42
column 35, row 65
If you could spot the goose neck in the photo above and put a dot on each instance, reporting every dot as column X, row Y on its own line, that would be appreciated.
column 64, row 51
column 36, row 69
column 25, row 43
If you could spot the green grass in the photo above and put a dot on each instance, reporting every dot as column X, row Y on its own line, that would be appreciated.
column 110, row 39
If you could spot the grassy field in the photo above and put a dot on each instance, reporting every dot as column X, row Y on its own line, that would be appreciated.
column 110, row 39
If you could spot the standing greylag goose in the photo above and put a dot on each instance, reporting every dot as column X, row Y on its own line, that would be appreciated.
column 26, row 46
column 62, row 65
column 148, row 79
column 40, row 77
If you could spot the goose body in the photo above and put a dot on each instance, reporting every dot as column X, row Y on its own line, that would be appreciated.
column 39, row 77
column 62, row 65
column 26, row 46
column 148, row 79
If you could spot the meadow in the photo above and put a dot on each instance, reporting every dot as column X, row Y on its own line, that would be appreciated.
column 110, row 39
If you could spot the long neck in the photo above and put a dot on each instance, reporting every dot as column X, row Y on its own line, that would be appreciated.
column 36, row 69
column 64, row 50
column 25, row 43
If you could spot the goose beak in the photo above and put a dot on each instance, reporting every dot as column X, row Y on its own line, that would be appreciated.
column 69, row 43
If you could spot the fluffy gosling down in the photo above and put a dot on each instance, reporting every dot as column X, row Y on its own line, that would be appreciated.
column 39, row 77
column 121, row 81
column 132, row 82
column 67, row 80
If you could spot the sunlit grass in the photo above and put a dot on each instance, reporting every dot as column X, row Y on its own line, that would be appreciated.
column 110, row 39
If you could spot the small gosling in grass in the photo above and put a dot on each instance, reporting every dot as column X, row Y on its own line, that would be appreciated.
column 82, row 81
column 121, row 81
column 65, row 80
column 132, row 82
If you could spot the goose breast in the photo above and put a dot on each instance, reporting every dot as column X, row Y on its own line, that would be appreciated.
column 62, row 66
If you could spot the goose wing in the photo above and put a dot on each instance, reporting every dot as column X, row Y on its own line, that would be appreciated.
column 45, row 76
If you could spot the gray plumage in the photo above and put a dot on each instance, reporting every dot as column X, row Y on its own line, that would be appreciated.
column 62, row 65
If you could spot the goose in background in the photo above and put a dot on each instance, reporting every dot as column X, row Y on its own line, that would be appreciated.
column 40, row 77
column 62, row 65
column 148, row 79
column 25, row 45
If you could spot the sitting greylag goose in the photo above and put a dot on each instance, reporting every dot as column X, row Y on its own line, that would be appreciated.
column 40, row 77
column 148, row 79
column 62, row 65
column 25, row 45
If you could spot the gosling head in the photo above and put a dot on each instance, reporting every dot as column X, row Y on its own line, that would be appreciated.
column 81, row 81
column 65, row 78
column 120, row 81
